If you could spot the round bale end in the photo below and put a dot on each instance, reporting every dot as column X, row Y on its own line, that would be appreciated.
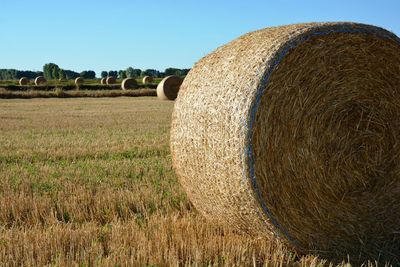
column 168, row 88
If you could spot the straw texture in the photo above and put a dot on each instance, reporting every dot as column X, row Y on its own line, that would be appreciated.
column 40, row 80
column 79, row 81
column 147, row 79
column 110, row 80
column 103, row 81
column 294, row 132
column 168, row 88
column 23, row 81
column 129, row 83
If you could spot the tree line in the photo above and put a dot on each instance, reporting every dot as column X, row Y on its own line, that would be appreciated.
column 52, row 71
column 12, row 74
column 135, row 73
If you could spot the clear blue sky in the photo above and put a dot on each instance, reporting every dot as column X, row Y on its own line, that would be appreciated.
column 112, row 35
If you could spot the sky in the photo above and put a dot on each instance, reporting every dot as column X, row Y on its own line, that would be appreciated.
column 113, row 35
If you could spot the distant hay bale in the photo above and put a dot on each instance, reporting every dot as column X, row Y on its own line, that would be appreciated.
column 294, row 132
column 129, row 83
column 110, row 80
column 168, row 88
column 147, row 80
column 103, row 81
column 23, row 81
column 40, row 80
column 79, row 81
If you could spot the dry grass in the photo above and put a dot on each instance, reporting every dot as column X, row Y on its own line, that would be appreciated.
column 89, row 182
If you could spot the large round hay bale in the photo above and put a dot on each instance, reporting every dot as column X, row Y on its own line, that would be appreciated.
column 168, row 88
column 147, row 80
column 294, row 132
column 110, row 80
column 129, row 83
column 40, row 80
column 103, row 81
column 23, row 81
column 79, row 81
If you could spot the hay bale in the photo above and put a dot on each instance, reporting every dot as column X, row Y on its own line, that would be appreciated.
column 129, row 83
column 110, row 80
column 168, row 88
column 294, row 132
column 147, row 80
column 103, row 81
column 40, row 80
column 79, row 81
column 23, row 81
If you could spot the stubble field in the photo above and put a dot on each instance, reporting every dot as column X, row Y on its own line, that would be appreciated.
column 89, row 182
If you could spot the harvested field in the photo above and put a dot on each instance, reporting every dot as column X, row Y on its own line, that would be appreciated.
column 59, row 93
column 89, row 182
